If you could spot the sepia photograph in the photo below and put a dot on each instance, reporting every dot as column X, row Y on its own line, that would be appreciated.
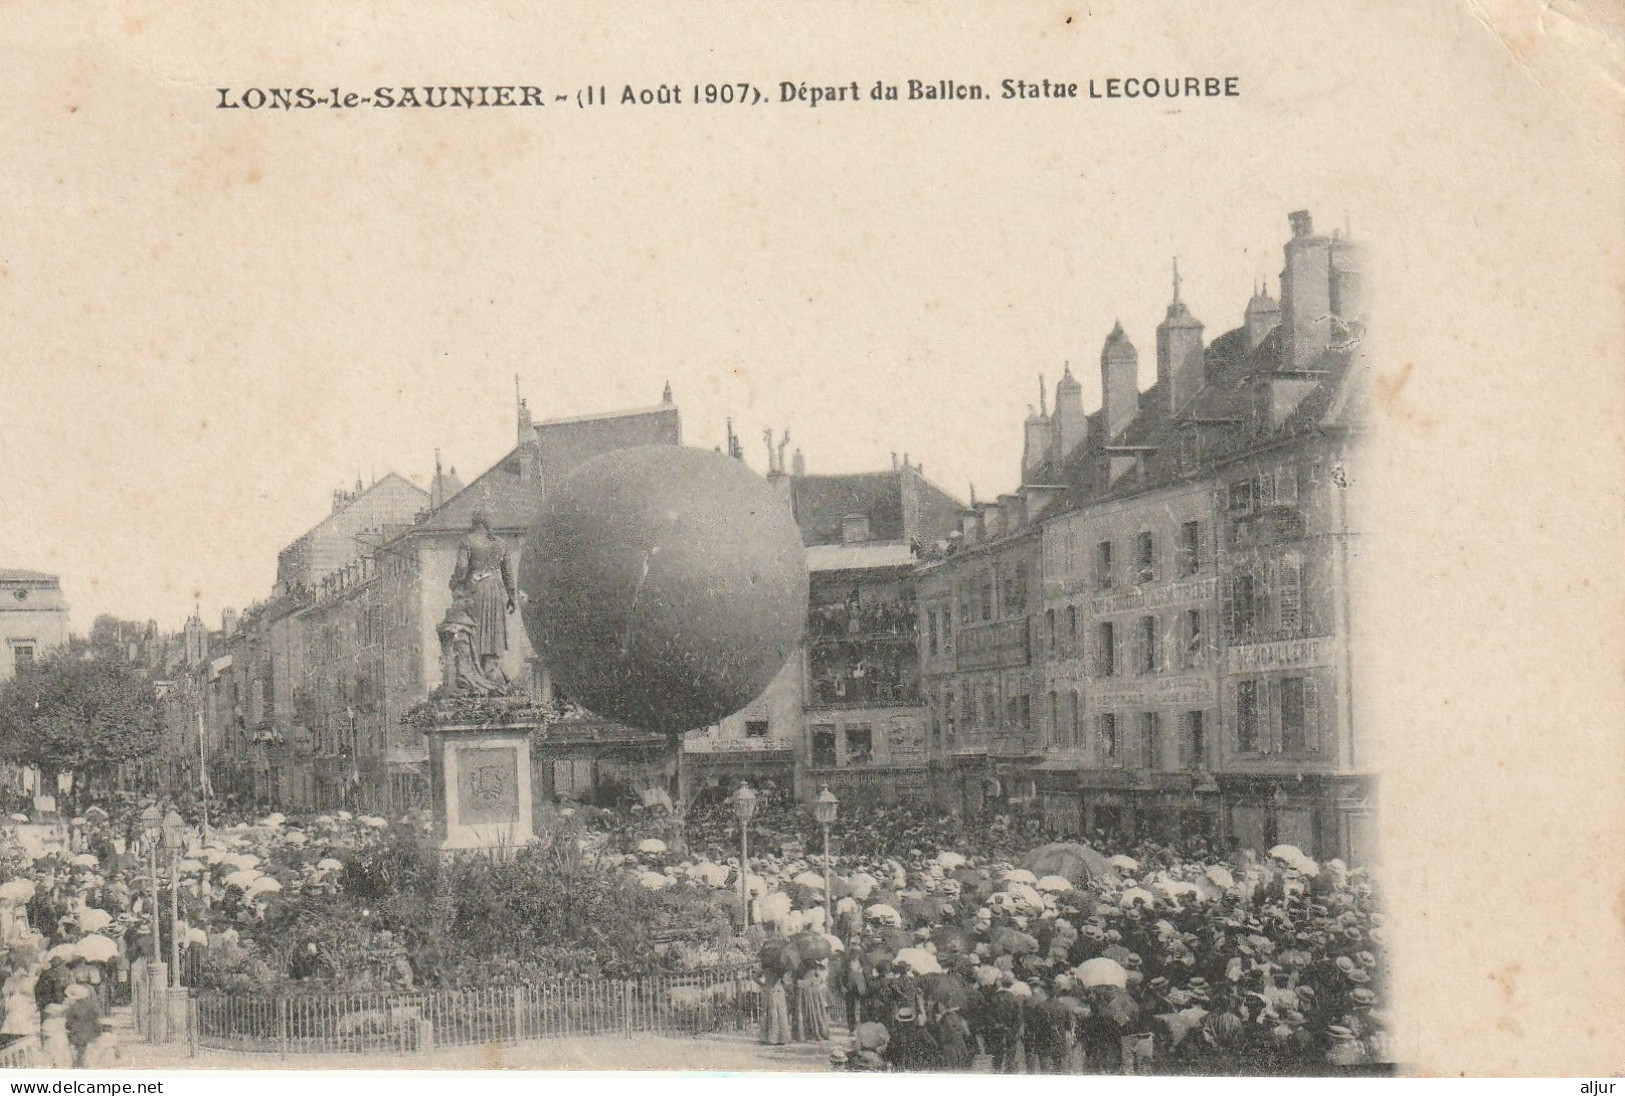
column 535, row 552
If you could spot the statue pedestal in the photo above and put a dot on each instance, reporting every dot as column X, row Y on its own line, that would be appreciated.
column 479, row 767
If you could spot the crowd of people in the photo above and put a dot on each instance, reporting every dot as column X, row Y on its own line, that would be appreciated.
column 952, row 946
column 934, row 943
column 77, row 907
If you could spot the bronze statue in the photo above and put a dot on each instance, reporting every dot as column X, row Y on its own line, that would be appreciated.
column 483, row 586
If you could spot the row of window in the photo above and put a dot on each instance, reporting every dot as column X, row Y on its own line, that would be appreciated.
column 1184, row 632
column 977, row 603
column 1190, row 555
column 1272, row 716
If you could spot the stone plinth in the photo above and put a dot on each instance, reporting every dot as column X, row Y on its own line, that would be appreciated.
column 479, row 766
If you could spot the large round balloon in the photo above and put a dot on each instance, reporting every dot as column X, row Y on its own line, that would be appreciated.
column 664, row 587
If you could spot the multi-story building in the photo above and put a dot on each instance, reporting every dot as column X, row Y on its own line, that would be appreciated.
column 1195, row 625
column 33, row 617
column 976, row 596
column 847, row 709
column 301, row 697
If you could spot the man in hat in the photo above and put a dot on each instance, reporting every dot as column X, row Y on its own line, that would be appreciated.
column 912, row 1048
column 83, row 1020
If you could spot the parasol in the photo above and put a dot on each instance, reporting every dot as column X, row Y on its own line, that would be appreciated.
column 96, row 948
column 1124, row 863
column 1009, row 941
column 884, row 914
column 1055, row 884
column 779, row 955
column 872, row 1036
column 947, row 990
column 1019, row 875
column 652, row 880
column 652, row 845
column 94, row 920
column 241, row 879
column 1071, row 860
column 919, row 960
column 1101, row 972
column 950, row 860
column 1135, row 895
column 812, row 945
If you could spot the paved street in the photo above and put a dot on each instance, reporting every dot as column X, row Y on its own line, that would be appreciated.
column 718, row 1052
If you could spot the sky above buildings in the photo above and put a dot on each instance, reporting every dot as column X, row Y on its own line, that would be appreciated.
column 216, row 317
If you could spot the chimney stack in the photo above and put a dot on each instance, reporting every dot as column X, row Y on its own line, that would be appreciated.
column 1179, row 353
column 1306, row 301
column 1119, row 382
column 1070, row 425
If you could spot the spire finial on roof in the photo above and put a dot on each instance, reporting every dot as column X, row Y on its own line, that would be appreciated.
column 1176, row 279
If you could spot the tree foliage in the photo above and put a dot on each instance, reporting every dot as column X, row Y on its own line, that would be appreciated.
column 70, row 712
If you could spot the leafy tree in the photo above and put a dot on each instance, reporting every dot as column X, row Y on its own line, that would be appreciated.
column 73, row 712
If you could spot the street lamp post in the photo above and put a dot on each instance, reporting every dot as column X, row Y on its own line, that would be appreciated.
column 174, row 830
column 824, row 808
column 744, row 807
column 152, row 829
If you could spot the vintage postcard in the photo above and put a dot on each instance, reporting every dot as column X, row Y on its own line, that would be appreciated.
column 1028, row 538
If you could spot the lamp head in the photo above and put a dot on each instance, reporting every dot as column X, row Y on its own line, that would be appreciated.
column 744, row 801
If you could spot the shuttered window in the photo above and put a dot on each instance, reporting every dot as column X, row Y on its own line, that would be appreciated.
column 1106, row 650
column 1248, row 723
column 1148, row 646
column 1190, row 548
column 1145, row 558
column 1150, row 733
column 1106, row 724
column 1289, row 597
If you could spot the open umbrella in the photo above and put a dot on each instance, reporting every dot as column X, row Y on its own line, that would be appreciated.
column 884, row 914
column 779, row 955
column 1055, row 884
column 1071, row 860
column 919, row 911
column 652, row 845
column 1009, row 941
column 19, row 817
column 241, row 879
column 652, row 880
column 1101, row 972
column 97, row 814
column 17, row 890
column 1019, row 875
column 812, row 945
column 94, row 920
column 96, row 948
column 1124, row 863
column 870, row 1035
column 1135, row 895
column 919, row 960
column 1289, row 853
column 947, row 990
column 950, row 860
column 329, row 864
column 265, row 884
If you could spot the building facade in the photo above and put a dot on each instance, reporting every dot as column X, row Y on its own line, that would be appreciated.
column 847, row 709
column 1196, row 622
column 33, row 618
